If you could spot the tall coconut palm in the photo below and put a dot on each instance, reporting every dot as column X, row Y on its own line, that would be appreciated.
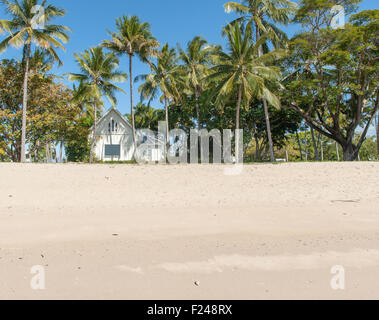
column 243, row 71
column 98, row 71
column 132, row 38
column 197, row 59
column 28, row 26
column 164, row 78
column 264, row 14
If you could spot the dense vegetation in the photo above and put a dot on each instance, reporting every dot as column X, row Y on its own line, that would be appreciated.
column 312, row 97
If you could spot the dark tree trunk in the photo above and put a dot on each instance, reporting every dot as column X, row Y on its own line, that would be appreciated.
column 317, row 155
column 349, row 152
column 61, row 152
column 338, row 152
column 25, row 105
column 37, row 151
column 306, row 143
column 377, row 130
column 131, row 102
column 269, row 135
column 319, row 142
column 299, row 143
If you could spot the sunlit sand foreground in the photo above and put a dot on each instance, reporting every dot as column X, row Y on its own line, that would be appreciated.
column 189, row 232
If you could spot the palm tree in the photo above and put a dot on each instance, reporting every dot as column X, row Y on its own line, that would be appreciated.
column 98, row 71
column 164, row 78
column 25, row 27
column 197, row 60
column 242, row 70
column 264, row 14
column 132, row 38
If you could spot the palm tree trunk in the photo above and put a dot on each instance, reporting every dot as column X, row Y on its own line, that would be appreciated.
column 269, row 135
column 131, row 101
column 267, row 114
column 167, row 125
column 317, row 155
column 197, row 109
column 25, row 105
column 94, row 131
column 238, row 122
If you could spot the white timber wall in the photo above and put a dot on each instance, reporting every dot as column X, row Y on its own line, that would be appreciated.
column 113, row 129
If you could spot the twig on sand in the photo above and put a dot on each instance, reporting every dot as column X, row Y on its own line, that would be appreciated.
column 346, row 201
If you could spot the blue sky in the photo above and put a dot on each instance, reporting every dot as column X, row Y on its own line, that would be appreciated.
column 172, row 21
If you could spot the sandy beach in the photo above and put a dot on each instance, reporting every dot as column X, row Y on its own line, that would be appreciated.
column 189, row 232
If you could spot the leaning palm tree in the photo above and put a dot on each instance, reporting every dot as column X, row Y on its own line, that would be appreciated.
column 98, row 71
column 132, row 38
column 164, row 78
column 243, row 71
column 264, row 14
column 26, row 26
column 197, row 59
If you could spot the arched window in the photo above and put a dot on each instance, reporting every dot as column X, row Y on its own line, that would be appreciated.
column 116, row 127
column 109, row 127
column 112, row 125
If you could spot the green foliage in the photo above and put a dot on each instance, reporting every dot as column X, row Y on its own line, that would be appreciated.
column 77, row 146
column 50, row 111
column 369, row 151
column 132, row 37
column 163, row 78
column 332, row 78
column 147, row 117
column 22, row 30
column 322, row 93
column 98, row 72
column 242, row 69
column 316, row 14
column 265, row 15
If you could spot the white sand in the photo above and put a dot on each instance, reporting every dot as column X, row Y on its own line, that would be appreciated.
column 151, row 232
